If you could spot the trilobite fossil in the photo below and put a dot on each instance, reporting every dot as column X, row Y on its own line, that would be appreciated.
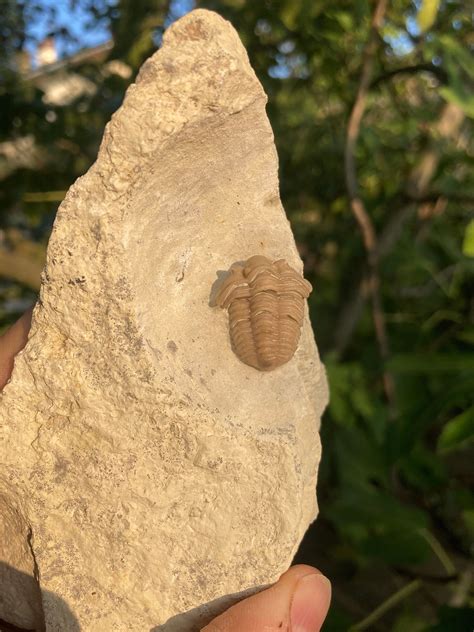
column 265, row 301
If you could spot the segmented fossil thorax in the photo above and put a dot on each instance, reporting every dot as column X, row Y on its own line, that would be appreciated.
column 265, row 302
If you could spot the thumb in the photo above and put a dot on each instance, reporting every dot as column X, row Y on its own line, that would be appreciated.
column 298, row 602
column 11, row 343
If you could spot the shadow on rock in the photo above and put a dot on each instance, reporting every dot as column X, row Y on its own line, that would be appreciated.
column 194, row 620
column 21, row 605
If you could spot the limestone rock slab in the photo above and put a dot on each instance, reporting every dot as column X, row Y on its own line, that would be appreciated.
column 157, row 473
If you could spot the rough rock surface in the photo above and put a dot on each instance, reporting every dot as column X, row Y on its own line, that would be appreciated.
column 156, row 471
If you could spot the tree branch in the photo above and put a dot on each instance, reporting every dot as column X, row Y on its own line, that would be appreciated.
column 447, row 127
column 21, row 260
column 388, row 604
column 427, row 577
column 437, row 71
column 451, row 196
column 357, row 205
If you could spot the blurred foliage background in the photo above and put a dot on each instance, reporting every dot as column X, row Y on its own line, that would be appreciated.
column 396, row 484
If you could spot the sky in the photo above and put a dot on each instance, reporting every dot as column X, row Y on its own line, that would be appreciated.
column 70, row 14
column 41, row 24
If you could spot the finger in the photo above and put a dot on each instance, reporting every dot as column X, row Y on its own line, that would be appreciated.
column 298, row 602
column 11, row 343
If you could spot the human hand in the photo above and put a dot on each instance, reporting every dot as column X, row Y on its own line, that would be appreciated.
column 11, row 343
column 298, row 602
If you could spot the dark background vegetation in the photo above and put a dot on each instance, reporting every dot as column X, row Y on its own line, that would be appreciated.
column 373, row 126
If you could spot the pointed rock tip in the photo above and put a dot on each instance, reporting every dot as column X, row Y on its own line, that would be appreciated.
column 200, row 25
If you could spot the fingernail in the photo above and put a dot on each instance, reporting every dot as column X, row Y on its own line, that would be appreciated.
column 310, row 603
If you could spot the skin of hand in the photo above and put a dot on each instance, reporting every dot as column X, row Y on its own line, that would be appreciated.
column 298, row 602
column 11, row 343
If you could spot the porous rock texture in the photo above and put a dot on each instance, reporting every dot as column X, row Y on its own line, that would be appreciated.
column 152, row 470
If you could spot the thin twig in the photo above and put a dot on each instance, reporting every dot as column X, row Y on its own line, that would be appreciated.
column 427, row 577
column 447, row 127
column 21, row 259
column 359, row 211
column 387, row 605
column 44, row 196
column 439, row 551
column 437, row 71
column 462, row 590
column 433, row 196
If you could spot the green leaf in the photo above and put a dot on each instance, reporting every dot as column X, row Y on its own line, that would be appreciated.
column 459, row 55
column 290, row 14
column 427, row 14
column 409, row 621
column 459, row 66
column 460, row 97
column 431, row 362
column 457, row 431
column 467, row 335
column 468, row 517
column 397, row 546
column 468, row 242
column 423, row 470
column 345, row 20
column 350, row 395
column 337, row 620
column 376, row 510
column 454, row 619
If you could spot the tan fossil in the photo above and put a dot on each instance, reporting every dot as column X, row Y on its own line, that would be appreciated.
column 265, row 302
